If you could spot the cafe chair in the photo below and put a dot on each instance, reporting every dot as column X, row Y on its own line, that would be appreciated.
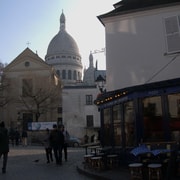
column 87, row 160
column 154, row 171
column 112, row 161
column 97, row 163
column 136, row 171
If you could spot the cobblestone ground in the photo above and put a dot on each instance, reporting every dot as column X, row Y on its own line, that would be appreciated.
column 29, row 163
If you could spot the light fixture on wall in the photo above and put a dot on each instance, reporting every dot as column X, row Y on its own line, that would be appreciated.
column 100, row 82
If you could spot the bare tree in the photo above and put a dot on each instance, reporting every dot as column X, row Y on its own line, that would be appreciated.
column 3, row 86
column 41, row 100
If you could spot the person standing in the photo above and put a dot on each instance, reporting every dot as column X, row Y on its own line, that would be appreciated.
column 4, row 145
column 48, row 148
column 17, row 136
column 56, row 142
column 66, row 138
column 24, row 138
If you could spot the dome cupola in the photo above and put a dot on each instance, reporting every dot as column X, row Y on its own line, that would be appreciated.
column 63, row 42
column 63, row 54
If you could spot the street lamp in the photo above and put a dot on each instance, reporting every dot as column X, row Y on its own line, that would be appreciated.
column 100, row 82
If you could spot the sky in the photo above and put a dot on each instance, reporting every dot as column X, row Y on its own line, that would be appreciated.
column 34, row 23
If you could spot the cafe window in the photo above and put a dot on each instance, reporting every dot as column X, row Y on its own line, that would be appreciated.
column 174, row 113
column 129, row 123
column 152, row 119
column 117, row 122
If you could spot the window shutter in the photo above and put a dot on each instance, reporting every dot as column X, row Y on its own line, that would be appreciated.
column 172, row 34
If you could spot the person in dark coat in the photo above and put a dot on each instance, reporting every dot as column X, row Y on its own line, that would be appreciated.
column 66, row 138
column 17, row 137
column 4, row 145
column 57, row 142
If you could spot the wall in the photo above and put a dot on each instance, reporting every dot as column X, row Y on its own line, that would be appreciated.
column 135, row 48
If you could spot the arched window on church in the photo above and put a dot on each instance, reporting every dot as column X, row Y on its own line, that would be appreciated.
column 79, row 76
column 74, row 75
column 63, row 74
column 58, row 73
column 69, row 74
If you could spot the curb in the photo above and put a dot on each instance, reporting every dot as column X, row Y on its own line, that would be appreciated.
column 91, row 174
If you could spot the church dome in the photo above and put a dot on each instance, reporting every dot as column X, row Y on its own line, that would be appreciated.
column 63, row 43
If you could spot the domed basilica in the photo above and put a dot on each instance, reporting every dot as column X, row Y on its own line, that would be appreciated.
column 80, row 115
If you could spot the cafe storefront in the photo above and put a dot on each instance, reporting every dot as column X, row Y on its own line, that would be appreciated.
column 138, row 114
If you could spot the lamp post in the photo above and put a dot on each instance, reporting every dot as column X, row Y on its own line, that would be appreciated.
column 100, row 82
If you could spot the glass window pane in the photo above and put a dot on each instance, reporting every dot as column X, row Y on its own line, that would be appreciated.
column 174, row 113
column 129, row 123
column 152, row 119
column 117, row 123
column 107, row 127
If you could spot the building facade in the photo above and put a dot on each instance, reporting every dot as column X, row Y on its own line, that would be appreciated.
column 32, row 92
column 142, row 59
column 142, row 42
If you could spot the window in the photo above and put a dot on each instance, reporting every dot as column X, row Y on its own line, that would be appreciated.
column 27, row 64
column 69, row 74
column 27, row 87
column 64, row 74
column 59, row 110
column 58, row 72
column 117, row 122
column 74, row 75
column 172, row 30
column 79, row 76
column 174, row 113
column 89, row 100
column 152, row 119
column 107, row 127
column 60, row 120
column 90, row 122
column 129, row 123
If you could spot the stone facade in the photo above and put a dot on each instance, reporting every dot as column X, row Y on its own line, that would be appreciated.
column 33, row 91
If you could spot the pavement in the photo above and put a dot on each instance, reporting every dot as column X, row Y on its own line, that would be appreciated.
column 114, row 174
column 29, row 163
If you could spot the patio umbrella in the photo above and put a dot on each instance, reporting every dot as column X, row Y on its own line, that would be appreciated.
column 142, row 149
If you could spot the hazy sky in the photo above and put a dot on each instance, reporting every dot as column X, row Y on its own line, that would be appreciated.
column 37, row 22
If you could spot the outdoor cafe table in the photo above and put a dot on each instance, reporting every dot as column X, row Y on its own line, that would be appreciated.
column 94, row 149
column 89, row 145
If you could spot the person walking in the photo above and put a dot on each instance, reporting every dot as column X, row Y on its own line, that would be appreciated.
column 4, row 145
column 24, row 138
column 66, row 138
column 48, row 148
column 56, row 142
